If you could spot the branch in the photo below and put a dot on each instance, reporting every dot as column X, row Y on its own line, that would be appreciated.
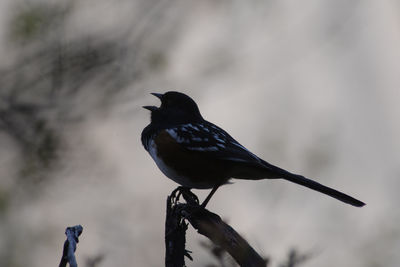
column 175, row 231
column 68, row 256
column 208, row 224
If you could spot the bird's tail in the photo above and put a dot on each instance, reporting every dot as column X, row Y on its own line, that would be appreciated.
column 301, row 180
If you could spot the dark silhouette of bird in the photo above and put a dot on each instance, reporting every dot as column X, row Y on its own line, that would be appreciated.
column 198, row 154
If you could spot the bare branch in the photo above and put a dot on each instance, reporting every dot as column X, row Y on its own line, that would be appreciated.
column 175, row 234
column 208, row 224
column 68, row 256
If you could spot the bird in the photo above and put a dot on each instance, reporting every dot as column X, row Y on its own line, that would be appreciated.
column 198, row 154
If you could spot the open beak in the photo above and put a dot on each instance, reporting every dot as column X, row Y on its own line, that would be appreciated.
column 159, row 96
column 151, row 108
column 154, row 108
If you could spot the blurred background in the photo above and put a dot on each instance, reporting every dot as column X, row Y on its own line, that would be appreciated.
column 311, row 86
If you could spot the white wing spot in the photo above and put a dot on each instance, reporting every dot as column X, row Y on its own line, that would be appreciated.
column 173, row 133
column 216, row 137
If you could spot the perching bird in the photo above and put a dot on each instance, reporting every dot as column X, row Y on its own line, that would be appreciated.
column 198, row 154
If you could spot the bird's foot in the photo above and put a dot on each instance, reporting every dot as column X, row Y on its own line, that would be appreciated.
column 187, row 195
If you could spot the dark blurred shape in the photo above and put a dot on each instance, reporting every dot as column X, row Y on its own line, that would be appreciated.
column 94, row 261
column 220, row 255
column 295, row 259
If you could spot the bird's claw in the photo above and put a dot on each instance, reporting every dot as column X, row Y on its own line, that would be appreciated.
column 187, row 195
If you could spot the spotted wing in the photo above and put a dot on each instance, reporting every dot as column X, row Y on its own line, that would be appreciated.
column 211, row 140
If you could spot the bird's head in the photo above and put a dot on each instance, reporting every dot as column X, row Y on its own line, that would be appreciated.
column 176, row 108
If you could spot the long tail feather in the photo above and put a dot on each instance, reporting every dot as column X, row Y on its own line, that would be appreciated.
column 301, row 180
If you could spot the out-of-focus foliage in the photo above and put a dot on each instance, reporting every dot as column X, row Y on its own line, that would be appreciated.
column 50, row 74
column 35, row 21
column 54, row 79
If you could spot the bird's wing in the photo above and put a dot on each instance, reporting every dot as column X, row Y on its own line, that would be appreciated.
column 213, row 141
